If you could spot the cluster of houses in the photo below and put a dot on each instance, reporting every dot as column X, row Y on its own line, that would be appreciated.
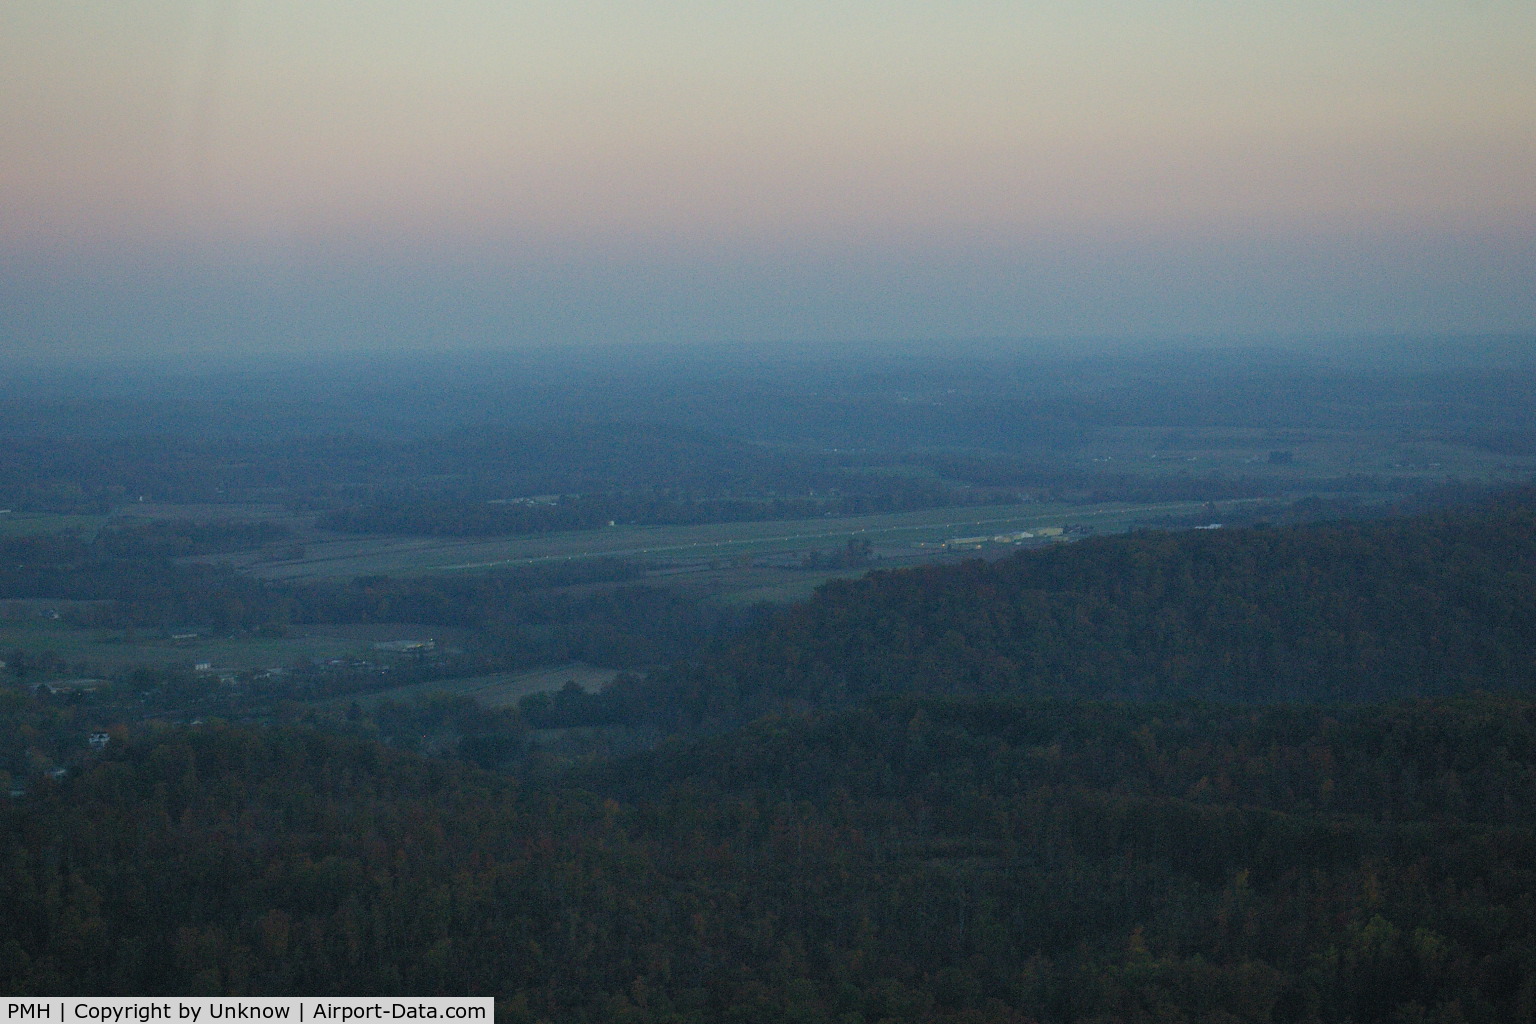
column 69, row 687
column 96, row 741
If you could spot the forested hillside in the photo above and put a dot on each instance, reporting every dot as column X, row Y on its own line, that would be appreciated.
column 915, row 861
column 1222, row 775
column 1433, row 604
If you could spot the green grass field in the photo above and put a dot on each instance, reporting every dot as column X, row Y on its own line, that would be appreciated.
column 108, row 650
column 500, row 690
column 21, row 524
column 1316, row 454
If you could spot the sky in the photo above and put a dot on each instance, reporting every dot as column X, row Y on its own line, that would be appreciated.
column 215, row 176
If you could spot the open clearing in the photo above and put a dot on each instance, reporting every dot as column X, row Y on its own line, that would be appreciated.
column 107, row 649
column 21, row 524
column 499, row 690
column 113, row 649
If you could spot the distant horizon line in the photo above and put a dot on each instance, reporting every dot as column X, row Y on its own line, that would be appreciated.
column 1384, row 349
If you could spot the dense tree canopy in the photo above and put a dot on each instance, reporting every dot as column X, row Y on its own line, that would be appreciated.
column 920, row 860
column 1226, row 775
column 1434, row 604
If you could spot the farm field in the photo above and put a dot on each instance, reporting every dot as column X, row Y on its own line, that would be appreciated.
column 156, row 511
column 498, row 690
column 21, row 524
column 111, row 649
column 15, row 523
column 1313, row 455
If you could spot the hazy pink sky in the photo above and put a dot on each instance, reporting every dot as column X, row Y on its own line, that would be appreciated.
column 207, row 173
